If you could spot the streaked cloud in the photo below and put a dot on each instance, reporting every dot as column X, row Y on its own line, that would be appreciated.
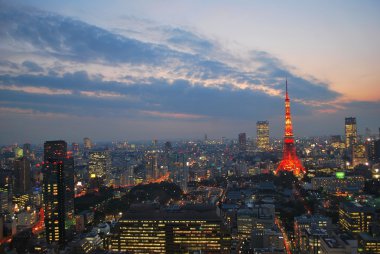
column 55, row 65
column 172, row 115
column 36, row 90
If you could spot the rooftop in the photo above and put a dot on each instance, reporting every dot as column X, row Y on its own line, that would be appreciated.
column 189, row 212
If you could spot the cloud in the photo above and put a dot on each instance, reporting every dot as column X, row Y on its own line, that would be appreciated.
column 35, row 90
column 32, row 66
column 172, row 115
column 57, row 65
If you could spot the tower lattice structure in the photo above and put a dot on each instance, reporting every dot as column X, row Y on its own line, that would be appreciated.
column 290, row 162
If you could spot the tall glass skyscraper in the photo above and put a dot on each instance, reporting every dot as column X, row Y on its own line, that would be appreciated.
column 58, row 190
column 350, row 131
column 262, row 132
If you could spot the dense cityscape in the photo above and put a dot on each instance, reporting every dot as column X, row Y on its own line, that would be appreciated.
column 245, row 195
column 196, row 127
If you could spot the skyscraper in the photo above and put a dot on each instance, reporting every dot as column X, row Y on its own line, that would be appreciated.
column 350, row 131
column 87, row 143
column 26, row 149
column 5, row 190
column 242, row 142
column 21, row 182
column 359, row 155
column 262, row 132
column 58, row 190
column 75, row 148
column 290, row 161
column 22, row 176
column 99, row 164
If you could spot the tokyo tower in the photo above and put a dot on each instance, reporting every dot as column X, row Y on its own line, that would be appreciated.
column 290, row 161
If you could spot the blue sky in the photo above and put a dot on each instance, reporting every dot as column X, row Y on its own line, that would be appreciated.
column 169, row 69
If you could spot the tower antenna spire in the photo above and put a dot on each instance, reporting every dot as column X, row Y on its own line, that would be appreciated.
column 286, row 85
column 286, row 88
column 290, row 161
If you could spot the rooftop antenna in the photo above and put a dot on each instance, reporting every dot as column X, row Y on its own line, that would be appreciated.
column 286, row 87
column 286, row 84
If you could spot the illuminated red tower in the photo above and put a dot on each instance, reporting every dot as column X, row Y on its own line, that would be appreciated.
column 290, row 161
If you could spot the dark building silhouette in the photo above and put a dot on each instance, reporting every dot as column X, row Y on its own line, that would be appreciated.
column 26, row 149
column 22, row 176
column 377, row 151
column 58, row 190
column 242, row 142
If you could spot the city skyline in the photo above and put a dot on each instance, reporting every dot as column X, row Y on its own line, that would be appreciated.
column 139, row 74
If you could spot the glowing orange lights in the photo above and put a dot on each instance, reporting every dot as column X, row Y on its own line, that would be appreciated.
column 40, row 225
column 290, row 161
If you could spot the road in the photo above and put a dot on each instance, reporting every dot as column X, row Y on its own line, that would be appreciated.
column 284, row 235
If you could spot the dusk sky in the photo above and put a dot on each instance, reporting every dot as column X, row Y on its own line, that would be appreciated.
column 138, row 70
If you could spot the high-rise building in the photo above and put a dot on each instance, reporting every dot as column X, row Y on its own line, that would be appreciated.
column 19, row 152
column 21, row 182
column 181, row 177
column 242, row 142
column 262, row 132
column 75, row 148
column 26, row 150
column 99, row 164
column 355, row 218
column 304, row 223
column 359, row 155
column 370, row 149
column 22, row 176
column 290, row 161
column 5, row 190
column 58, row 190
column 188, row 230
column 87, row 143
column 350, row 131
column 377, row 151
column 152, row 171
column 258, row 217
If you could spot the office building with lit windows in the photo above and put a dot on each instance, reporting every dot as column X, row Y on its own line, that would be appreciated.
column 338, row 244
column 262, row 132
column 313, row 240
column 359, row 155
column 350, row 131
column 99, row 163
column 58, row 185
column 339, row 184
column 355, row 218
column 87, row 143
column 302, row 226
column 368, row 243
column 259, row 217
column 186, row 230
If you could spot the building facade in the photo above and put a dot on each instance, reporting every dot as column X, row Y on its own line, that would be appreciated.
column 58, row 190
column 162, row 231
column 262, row 135
column 355, row 218
column 350, row 131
